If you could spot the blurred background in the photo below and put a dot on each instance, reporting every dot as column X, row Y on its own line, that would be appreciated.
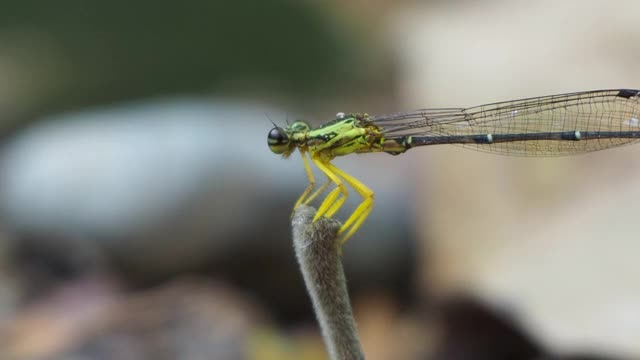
column 142, row 215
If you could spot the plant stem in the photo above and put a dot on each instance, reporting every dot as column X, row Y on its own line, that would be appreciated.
column 319, row 257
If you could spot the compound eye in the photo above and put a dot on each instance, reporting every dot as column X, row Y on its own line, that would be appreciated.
column 278, row 140
column 278, row 136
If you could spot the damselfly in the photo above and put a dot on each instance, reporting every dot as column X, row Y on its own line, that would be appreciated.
column 553, row 125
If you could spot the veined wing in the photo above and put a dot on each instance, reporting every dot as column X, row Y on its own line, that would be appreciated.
column 543, row 126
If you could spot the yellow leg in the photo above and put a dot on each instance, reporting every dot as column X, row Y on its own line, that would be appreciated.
column 356, row 225
column 320, row 190
column 336, row 205
column 312, row 180
column 331, row 203
column 361, row 213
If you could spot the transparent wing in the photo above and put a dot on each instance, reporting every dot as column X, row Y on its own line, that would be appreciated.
column 528, row 127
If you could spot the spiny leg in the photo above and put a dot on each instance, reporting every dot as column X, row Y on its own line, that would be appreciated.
column 319, row 191
column 357, row 224
column 336, row 205
column 312, row 180
column 360, row 214
column 331, row 203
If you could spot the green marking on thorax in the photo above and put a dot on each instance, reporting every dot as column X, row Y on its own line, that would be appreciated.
column 353, row 134
column 344, row 136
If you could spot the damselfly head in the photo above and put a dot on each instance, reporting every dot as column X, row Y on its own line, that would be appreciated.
column 278, row 140
column 284, row 140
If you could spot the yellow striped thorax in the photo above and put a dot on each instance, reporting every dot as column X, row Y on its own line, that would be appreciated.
column 347, row 134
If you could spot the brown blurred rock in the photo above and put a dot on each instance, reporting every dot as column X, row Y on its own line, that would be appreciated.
column 92, row 319
column 472, row 330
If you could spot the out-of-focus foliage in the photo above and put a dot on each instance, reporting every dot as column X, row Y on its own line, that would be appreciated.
column 74, row 53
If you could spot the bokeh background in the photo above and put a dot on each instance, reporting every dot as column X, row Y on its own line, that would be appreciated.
column 142, row 215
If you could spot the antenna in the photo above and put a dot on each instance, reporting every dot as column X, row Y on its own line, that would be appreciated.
column 267, row 115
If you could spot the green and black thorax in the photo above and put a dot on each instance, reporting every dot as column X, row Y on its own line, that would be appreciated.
column 347, row 134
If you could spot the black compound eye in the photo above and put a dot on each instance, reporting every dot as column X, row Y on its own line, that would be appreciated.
column 278, row 140
column 277, row 136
